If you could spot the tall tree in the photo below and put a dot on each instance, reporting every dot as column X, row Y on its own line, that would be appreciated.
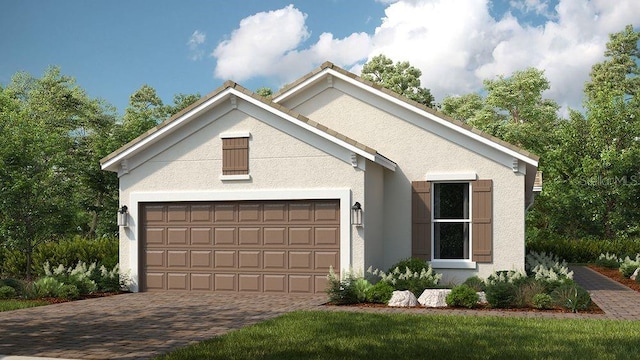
column 401, row 78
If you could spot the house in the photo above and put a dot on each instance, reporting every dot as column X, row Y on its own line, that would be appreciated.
column 241, row 193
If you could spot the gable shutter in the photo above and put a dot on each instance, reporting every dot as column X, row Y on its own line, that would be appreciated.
column 235, row 156
column 481, row 221
column 421, row 220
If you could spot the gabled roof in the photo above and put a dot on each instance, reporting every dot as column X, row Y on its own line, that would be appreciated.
column 329, row 68
column 227, row 91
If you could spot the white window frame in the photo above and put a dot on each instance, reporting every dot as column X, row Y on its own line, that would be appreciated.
column 452, row 263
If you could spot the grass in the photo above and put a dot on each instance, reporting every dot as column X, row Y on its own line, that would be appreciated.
column 8, row 305
column 342, row 335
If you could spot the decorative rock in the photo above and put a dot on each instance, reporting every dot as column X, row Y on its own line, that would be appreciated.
column 434, row 297
column 403, row 298
column 635, row 274
column 483, row 297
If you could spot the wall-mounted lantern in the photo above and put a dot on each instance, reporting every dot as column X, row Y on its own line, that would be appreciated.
column 356, row 214
column 123, row 216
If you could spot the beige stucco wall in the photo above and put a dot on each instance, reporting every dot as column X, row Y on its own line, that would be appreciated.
column 417, row 153
column 278, row 163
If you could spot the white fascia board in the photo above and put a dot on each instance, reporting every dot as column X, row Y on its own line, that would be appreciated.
column 372, row 157
column 412, row 108
column 166, row 129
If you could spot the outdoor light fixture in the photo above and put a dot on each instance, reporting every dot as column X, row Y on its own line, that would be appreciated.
column 122, row 216
column 356, row 214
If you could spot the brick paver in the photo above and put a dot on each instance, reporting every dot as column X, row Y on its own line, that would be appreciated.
column 143, row 325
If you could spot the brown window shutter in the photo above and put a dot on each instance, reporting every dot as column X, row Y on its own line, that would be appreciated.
column 481, row 221
column 235, row 156
column 421, row 220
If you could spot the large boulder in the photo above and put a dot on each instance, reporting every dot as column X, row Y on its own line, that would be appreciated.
column 434, row 297
column 635, row 274
column 403, row 298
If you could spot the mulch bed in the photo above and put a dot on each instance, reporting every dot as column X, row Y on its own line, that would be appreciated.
column 82, row 297
column 614, row 274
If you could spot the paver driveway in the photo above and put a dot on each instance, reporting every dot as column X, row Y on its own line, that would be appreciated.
column 133, row 326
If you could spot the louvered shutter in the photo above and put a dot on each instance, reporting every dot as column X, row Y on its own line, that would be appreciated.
column 482, row 214
column 421, row 220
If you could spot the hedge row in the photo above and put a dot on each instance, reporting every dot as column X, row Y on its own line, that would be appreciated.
column 68, row 252
column 583, row 250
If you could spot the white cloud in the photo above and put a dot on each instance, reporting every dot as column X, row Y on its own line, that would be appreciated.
column 195, row 41
column 456, row 43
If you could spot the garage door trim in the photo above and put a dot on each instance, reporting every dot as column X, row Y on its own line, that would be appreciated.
column 342, row 194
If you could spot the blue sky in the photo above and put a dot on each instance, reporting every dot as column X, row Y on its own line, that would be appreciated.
column 114, row 47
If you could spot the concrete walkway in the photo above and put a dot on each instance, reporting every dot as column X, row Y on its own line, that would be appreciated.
column 144, row 325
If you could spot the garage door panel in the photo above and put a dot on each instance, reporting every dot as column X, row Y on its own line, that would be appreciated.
column 154, row 258
column 177, row 259
column 154, row 236
column 275, row 260
column 276, row 283
column 249, row 236
column 202, row 259
column 300, row 260
column 327, row 236
column 249, row 259
column 249, row 282
column 300, row 236
column 275, row 236
column 300, row 283
column 177, row 236
column 326, row 259
column 177, row 281
column 246, row 246
column 249, row 213
column 224, row 282
column 201, row 236
column 224, row 213
column 201, row 213
column 224, row 236
column 224, row 259
column 177, row 213
column 202, row 282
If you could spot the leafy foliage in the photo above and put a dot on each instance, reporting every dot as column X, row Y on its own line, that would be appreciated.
column 572, row 297
column 463, row 296
column 542, row 301
column 411, row 274
column 501, row 294
column 475, row 283
column 351, row 289
column 628, row 266
column 609, row 261
column 401, row 78
column 583, row 250
column 381, row 292
column 7, row 292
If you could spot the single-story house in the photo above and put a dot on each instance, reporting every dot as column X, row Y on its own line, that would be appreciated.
column 242, row 193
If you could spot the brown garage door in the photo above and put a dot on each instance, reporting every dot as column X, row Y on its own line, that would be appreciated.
column 253, row 246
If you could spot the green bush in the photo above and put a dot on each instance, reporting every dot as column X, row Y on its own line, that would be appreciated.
column 415, row 265
column 582, row 250
column 525, row 292
column 7, row 292
column 44, row 287
column 345, row 291
column 463, row 296
column 69, row 292
column 629, row 266
column 68, row 252
column 380, row 293
column 16, row 284
column 475, row 283
column 572, row 297
column 542, row 301
column 501, row 294
column 410, row 274
column 609, row 261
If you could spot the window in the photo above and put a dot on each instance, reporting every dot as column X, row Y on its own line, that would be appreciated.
column 235, row 157
column 451, row 221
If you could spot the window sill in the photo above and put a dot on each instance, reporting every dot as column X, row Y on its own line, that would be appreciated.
column 235, row 177
column 453, row 264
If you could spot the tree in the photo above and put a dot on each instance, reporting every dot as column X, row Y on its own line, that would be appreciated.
column 401, row 78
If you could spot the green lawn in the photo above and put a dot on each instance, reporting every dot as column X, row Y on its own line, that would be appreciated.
column 343, row 335
column 7, row 305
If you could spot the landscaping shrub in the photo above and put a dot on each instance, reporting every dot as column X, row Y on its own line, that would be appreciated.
column 506, row 276
column 44, row 287
column 572, row 297
column 68, row 292
column 609, row 261
column 415, row 276
column 462, row 296
column 7, row 292
column 526, row 290
column 501, row 294
column 343, row 291
column 79, row 276
column 475, row 283
column 380, row 293
column 543, row 266
column 542, row 301
column 16, row 284
column 628, row 266
column 582, row 250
